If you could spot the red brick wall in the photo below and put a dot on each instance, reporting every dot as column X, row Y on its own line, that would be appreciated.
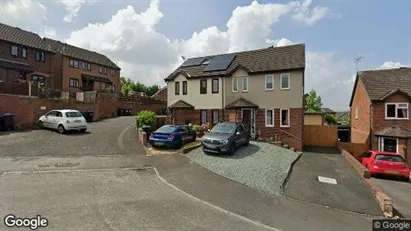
column 75, row 73
column 162, row 95
column 360, row 127
column 181, row 115
column 295, row 129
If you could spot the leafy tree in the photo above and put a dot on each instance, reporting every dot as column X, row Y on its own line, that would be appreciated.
column 151, row 90
column 313, row 101
column 331, row 119
column 127, row 85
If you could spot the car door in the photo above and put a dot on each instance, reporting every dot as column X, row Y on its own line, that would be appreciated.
column 238, row 137
column 49, row 118
column 58, row 119
column 185, row 136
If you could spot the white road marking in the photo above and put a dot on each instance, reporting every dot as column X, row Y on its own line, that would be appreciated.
column 327, row 180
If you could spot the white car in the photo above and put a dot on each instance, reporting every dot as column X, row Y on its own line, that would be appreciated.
column 63, row 120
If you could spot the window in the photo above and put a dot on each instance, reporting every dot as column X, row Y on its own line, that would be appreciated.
column 52, row 113
column 396, row 111
column 83, row 65
column 240, row 128
column 14, row 51
column 73, row 63
column 285, row 118
column 388, row 144
column 73, row 83
column 269, row 82
column 59, row 114
column 112, row 88
column 356, row 112
column 105, row 71
column 366, row 155
column 245, row 84
column 269, row 118
column 215, row 86
column 88, row 66
column 203, row 86
column 100, row 69
column 215, row 117
column 40, row 57
column 24, row 53
column 184, row 87
column 203, row 116
column 37, row 79
column 235, row 84
column 112, row 72
column 285, row 81
column 177, row 88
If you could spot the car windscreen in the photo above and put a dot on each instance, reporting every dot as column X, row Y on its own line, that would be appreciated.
column 390, row 158
column 166, row 129
column 73, row 114
column 224, row 128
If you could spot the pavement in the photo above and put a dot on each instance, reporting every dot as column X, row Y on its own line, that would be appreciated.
column 98, row 188
column 399, row 192
column 349, row 194
column 260, row 165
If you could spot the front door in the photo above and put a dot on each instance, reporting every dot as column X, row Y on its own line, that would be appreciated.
column 248, row 119
column 388, row 144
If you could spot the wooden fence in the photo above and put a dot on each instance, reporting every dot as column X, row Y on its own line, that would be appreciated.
column 320, row 136
column 355, row 149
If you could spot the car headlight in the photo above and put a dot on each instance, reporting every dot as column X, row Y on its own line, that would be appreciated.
column 223, row 141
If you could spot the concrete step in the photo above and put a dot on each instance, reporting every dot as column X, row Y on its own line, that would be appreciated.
column 285, row 146
column 292, row 149
column 278, row 143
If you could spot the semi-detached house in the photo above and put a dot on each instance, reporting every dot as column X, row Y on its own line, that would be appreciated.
column 263, row 88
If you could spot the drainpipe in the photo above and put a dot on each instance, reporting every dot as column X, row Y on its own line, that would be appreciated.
column 371, row 127
column 222, row 97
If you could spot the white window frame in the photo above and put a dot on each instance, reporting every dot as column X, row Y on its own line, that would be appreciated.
column 281, row 118
column 396, row 111
column 356, row 112
column 213, row 116
column 266, row 118
column 281, row 81
column 242, row 84
column 381, row 143
column 266, row 78
column 232, row 88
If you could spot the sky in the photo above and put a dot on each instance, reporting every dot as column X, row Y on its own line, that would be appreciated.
column 147, row 38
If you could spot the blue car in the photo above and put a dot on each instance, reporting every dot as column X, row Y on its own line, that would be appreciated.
column 172, row 136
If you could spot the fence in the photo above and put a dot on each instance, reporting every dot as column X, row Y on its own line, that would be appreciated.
column 322, row 136
column 355, row 149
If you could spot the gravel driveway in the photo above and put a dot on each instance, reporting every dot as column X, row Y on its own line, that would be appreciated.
column 260, row 165
column 108, row 137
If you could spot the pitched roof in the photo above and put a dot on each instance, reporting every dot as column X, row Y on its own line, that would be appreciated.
column 394, row 131
column 379, row 84
column 15, row 65
column 96, row 78
column 181, row 104
column 254, row 61
column 241, row 103
column 80, row 53
column 160, row 90
column 341, row 114
column 327, row 110
column 22, row 37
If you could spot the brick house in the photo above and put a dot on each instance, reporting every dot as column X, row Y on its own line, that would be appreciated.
column 263, row 88
column 79, row 69
column 161, row 94
column 380, row 110
column 23, row 56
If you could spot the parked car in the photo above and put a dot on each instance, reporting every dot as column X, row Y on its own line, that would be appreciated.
column 172, row 136
column 385, row 163
column 63, row 120
column 226, row 137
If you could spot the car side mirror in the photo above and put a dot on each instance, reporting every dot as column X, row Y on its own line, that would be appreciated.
column 238, row 133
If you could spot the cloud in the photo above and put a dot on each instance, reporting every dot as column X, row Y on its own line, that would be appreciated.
column 279, row 42
column 72, row 8
column 49, row 32
column 391, row 64
column 20, row 13
column 303, row 13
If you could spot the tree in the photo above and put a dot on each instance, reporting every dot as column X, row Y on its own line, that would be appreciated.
column 127, row 85
column 331, row 119
column 151, row 90
column 313, row 101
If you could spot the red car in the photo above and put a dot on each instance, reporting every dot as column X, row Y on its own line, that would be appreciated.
column 385, row 163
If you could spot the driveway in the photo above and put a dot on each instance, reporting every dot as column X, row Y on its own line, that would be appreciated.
column 349, row 194
column 108, row 200
column 115, row 136
column 400, row 193
column 260, row 165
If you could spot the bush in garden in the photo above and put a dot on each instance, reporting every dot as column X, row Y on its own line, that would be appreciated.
column 196, row 127
column 146, row 119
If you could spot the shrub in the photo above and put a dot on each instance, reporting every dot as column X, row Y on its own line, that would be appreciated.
column 330, row 119
column 196, row 127
column 146, row 118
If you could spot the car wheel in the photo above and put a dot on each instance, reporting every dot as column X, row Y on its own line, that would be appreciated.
column 247, row 142
column 83, row 130
column 232, row 149
column 40, row 124
column 179, row 144
column 194, row 138
column 405, row 179
column 61, row 129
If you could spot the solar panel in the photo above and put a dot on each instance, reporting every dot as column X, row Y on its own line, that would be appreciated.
column 220, row 62
column 193, row 62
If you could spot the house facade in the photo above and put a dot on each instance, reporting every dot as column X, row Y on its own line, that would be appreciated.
column 25, row 56
column 83, row 70
column 263, row 88
column 380, row 110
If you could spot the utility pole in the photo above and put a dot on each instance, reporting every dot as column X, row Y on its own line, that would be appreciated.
column 358, row 60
